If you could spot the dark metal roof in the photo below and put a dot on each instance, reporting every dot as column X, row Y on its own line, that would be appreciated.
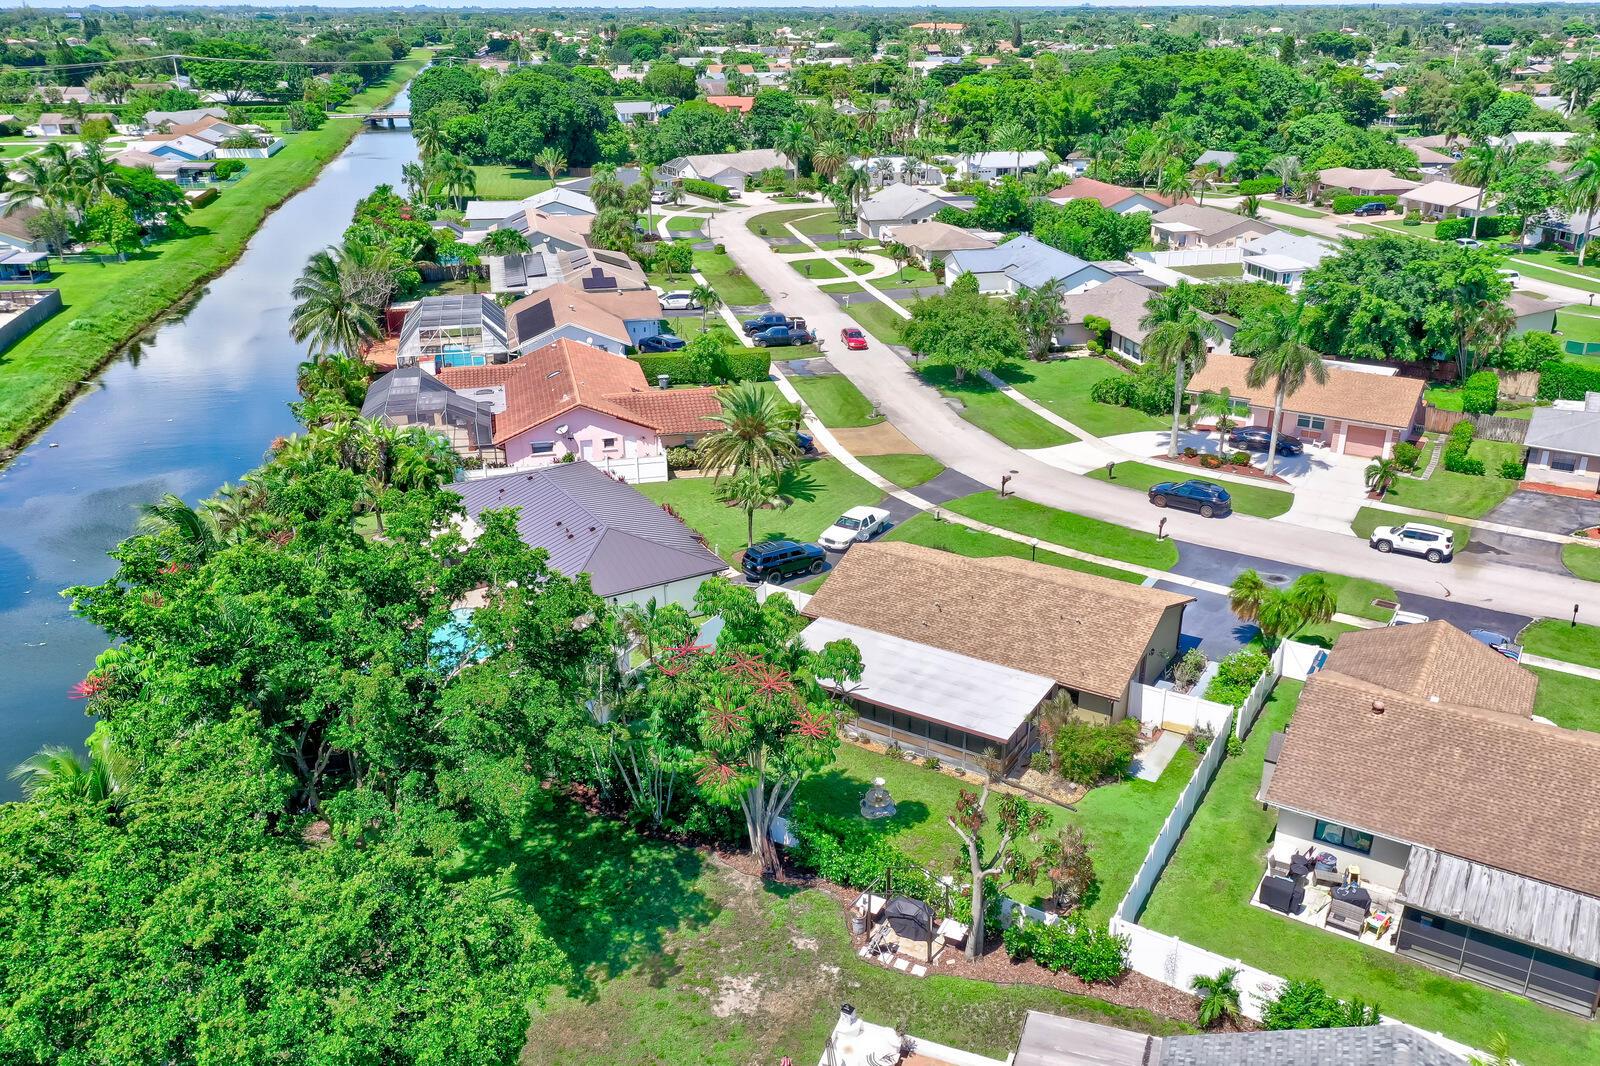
column 410, row 396
column 590, row 523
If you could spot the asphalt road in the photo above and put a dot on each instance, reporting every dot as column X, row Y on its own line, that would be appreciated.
column 919, row 412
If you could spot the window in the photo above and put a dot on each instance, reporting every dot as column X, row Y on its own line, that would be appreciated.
column 608, row 443
column 1340, row 837
column 1563, row 461
column 544, row 447
column 1311, row 422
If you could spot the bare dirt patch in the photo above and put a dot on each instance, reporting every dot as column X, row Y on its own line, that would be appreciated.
column 881, row 439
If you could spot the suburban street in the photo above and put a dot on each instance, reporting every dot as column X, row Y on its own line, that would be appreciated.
column 925, row 417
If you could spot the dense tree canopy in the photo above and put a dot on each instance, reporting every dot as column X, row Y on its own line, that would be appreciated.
column 532, row 109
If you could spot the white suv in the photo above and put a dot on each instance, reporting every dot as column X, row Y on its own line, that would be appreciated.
column 1434, row 543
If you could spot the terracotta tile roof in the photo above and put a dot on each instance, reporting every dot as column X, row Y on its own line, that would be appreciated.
column 740, row 104
column 1376, row 399
column 1491, row 787
column 1105, row 192
column 565, row 375
column 1087, row 632
column 1436, row 660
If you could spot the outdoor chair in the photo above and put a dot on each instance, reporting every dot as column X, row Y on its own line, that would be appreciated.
column 1346, row 917
column 1277, row 867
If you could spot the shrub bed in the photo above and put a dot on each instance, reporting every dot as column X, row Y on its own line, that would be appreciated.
column 1480, row 395
column 1346, row 203
column 1236, row 675
column 1257, row 186
column 1456, row 447
column 709, row 189
column 1489, row 226
column 1090, row 953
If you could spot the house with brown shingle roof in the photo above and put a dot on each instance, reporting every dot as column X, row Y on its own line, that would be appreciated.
column 1359, row 410
column 603, row 317
column 567, row 398
column 1412, row 762
column 959, row 653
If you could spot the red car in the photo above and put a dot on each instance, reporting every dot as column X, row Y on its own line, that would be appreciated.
column 853, row 339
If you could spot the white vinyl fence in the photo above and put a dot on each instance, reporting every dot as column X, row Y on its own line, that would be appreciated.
column 640, row 470
column 1186, row 257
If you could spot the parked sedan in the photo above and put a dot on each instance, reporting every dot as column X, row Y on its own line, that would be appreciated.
column 779, row 336
column 661, row 342
column 853, row 338
column 856, row 524
column 1256, row 438
column 1207, row 498
column 1500, row 643
column 679, row 301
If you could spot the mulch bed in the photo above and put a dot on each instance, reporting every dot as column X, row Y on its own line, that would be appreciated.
column 1226, row 468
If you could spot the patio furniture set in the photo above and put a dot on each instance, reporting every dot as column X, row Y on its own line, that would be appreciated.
column 906, row 934
column 1309, row 886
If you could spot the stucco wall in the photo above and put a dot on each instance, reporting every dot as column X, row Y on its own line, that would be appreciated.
column 1384, row 867
column 586, row 434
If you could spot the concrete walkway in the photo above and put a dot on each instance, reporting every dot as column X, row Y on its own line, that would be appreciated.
column 922, row 414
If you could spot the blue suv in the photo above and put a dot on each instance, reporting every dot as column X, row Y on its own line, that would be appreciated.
column 1205, row 497
column 778, row 559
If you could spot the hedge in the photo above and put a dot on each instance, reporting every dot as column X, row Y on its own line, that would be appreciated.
column 1480, row 395
column 1089, row 953
column 1456, row 446
column 1562, row 380
column 1488, row 226
column 732, row 365
column 1258, row 186
column 1346, row 203
column 1236, row 676
column 709, row 189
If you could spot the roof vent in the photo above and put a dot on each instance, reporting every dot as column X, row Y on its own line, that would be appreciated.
column 1377, row 707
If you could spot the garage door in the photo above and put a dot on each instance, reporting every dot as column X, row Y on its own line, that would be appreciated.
column 1363, row 440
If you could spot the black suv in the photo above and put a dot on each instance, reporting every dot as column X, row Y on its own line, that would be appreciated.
column 1375, row 207
column 1256, row 438
column 781, row 558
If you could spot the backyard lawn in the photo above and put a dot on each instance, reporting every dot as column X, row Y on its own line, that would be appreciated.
column 836, row 488
column 1247, row 499
column 929, row 532
column 1567, row 699
column 1579, row 323
column 106, row 303
column 1581, row 561
column 731, row 283
column 1063, row 385
column 497, row 182
column 993, row 411
column 1370, row 518
column 678, row 958
column 835, row 400
column 1210, row 271
column 906, row 469
column 1119, row 820
column 1204, row 897
column 878, row 320
column 1069, row 530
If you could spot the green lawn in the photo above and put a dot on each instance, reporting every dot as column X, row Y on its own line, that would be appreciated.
column 994, row 412
column 836, row 488
column 835, row 400
column 1211, row 271
column 1578, row 323
column 1551, row 277
column 1355, row 596
column 677, row 958
column 1063, row 385
column 731, row 283
column 878, row 320
column 1299, row 210
column 1069, row 530
column 1567, row 699
column 929, row 532
column 1556, row 639
column 908, row 277
column 906, row 469
column 1462, row 495
column 844, row 286
column 1581, row 561
column 771, row 223
column 817, row 269
column 1370, row 518
column 106, row 303
column 1204, row 897
column 1118, row 820
column 1247, row 499
column 685, row 223
column 1558, row 259
column 497, row 182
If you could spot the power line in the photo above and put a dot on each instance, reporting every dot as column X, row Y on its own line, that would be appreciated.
column 5, row 68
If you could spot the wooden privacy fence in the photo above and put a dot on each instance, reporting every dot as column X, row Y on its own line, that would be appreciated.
column 1489, row 427
column 1437, row 421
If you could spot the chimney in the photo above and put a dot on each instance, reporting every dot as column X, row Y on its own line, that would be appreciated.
column 849, row 1021
column 1377, row 707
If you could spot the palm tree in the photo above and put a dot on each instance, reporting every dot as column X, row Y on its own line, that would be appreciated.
column 1479, row 165
column 826, row 159
column 642, row 622
column 1203, row 175
column 755, row 441
column 1176, row 342
column 453, row 176
column 411, row 175
column 328, row 311
column 795, row 141
column 503, row 242
column 1381, row 476
column 1219, row 997
column 1499, row 1047
column 94, row 175
column 1220, row 406
column 709, row 299
column 901, row 255
column 1281, row 612
column 1248, row 594
column 1583, row 195
column 60, row 773
column 195, row 528
column 1153, row 162
column 1286, row 168
column 1041, row 314
column 1175, row 184
column 429, row 136
column 1275, row 334
column 45, row 180
column 1250, row 207
column 550, row 159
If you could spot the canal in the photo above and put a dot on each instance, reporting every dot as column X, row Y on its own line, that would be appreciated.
column 192, row 405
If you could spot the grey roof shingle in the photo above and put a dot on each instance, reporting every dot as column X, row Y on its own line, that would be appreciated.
column 1564, row 430
column 590, row 523
column 1369, row 1045
column 1028, row 261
